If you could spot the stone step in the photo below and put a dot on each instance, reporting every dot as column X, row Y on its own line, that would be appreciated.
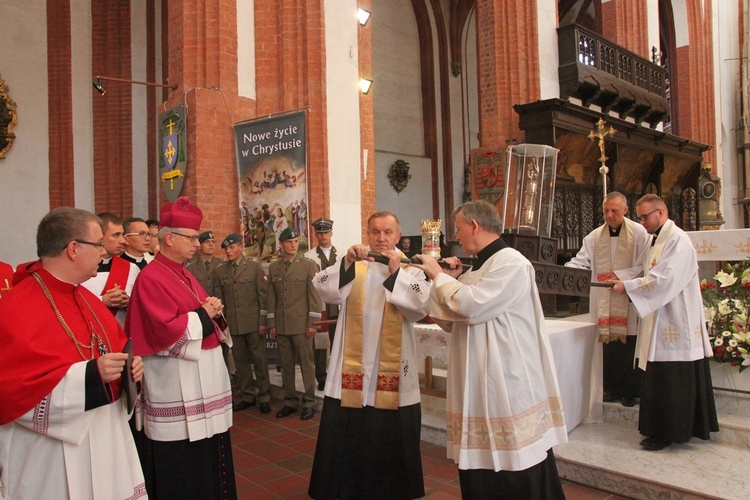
column 607, row 456
column 734, row 428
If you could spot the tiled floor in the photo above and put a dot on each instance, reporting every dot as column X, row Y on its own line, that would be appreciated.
column 273, row 458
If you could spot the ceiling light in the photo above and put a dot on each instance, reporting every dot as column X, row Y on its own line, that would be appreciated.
column 363, row 16
column 364, row 85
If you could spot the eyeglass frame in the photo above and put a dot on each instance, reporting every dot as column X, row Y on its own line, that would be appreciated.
column 193, row 239
column 142, row 234
column 645, row 216
column 84, row 242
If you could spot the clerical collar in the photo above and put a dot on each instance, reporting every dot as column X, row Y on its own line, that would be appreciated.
column 614, row 233
column 656, row 235
column 135, row 259
column 488, row 252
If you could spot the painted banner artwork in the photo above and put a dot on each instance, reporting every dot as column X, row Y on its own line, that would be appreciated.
column 272, row 169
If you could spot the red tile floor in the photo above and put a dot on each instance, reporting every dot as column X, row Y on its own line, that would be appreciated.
column 273, row 458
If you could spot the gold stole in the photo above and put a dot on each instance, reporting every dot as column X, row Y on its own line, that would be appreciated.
column 389, row 364
column 612, row 308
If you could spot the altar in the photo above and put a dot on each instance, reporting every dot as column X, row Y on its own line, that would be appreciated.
column 578, row 363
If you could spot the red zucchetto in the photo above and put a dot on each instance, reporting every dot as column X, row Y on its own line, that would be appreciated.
column 181, row 213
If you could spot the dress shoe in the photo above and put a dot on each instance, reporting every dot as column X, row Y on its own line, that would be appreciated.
column 628, row 402
column 244, row 405
column 265, row 408
column 307, row 414
column 285, row 412
column 655, row 444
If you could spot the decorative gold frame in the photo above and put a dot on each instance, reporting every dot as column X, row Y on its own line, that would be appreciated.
column 8, row 119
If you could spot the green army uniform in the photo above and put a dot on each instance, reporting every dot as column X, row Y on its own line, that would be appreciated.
column 293, row 306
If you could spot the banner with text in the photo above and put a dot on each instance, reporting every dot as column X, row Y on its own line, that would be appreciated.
column 272, row 169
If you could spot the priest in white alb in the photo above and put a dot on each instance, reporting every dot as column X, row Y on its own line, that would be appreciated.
column 617, row 245
column 677, row 399
column 503, row 411
column 368, row 441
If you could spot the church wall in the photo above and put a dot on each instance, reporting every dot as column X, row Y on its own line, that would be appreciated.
column 24, row 173
column 141, row 146
column 344, row 167
column 246, row 48
column 549, row 78
column 399, row 131
column 81, row 94
column 726, row 51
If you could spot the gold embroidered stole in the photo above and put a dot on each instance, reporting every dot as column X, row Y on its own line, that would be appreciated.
column 389, row 364
column 643, row 344
column 612, row 308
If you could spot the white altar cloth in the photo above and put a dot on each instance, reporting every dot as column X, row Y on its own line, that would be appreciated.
column 724, row 244
column 578, row 363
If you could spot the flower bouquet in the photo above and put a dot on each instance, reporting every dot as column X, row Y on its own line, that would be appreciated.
column 726, row 304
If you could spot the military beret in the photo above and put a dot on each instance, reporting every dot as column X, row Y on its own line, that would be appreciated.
column 231, row 239
column 205, row 235
column 288, row 234
column 323, row 225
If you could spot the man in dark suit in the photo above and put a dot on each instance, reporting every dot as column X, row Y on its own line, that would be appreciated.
column 293, row 306
column 241, row 286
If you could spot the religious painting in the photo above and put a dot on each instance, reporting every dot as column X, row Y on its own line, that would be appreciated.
column 172, row 151
column 272, row 169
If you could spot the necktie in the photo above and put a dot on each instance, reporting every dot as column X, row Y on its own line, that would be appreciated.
column 286, row 265
column 208, row 264
column 235, row 266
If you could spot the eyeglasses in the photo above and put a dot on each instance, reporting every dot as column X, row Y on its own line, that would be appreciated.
column 153, row 235
column 84, row 242
column 643, row 217
column 192, row 239
column 142, row 234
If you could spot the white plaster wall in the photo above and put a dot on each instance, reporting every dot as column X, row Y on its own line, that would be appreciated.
column 728, row 106
column 396, row 75
column 399, row 132
column 139, row 49
column 246, row 47
column 652, row 21
column 414, row 203
column 342, row 109
column 549, row 80
column 24, row 173
column 82, row 94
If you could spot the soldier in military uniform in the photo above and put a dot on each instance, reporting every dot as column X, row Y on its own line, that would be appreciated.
column 241, row 286
column 293, row 306
column 204, row 264
column 324, row 255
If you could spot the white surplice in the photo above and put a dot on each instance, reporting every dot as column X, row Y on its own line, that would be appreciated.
column 59, row 450
column 183, row 397
column 503, row 409
column 668, row 298
column 410, row 295
column 96, row 286
column 585, row 259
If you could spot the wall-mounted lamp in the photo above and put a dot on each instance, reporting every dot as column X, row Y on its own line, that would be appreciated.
column 98, row 86
column 363, row 16
column 364, row 85
column 98, row 83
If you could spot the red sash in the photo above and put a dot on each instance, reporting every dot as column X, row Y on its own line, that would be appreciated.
column 119, row 269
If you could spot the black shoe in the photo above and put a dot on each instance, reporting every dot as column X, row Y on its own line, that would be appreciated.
column 244, row 405
column 265, row 408
column 628, row 402
column 321, row 386
column 285, row 412
column 307, row 414
column 609, row 397
column 655, row 444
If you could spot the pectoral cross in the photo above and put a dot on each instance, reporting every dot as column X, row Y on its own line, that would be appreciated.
column 7, row 286
column 600, row 133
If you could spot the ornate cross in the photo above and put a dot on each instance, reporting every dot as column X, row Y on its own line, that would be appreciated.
column 7, row 286
column 600, row 133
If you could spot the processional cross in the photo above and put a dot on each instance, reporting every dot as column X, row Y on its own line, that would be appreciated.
column 600, row 133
